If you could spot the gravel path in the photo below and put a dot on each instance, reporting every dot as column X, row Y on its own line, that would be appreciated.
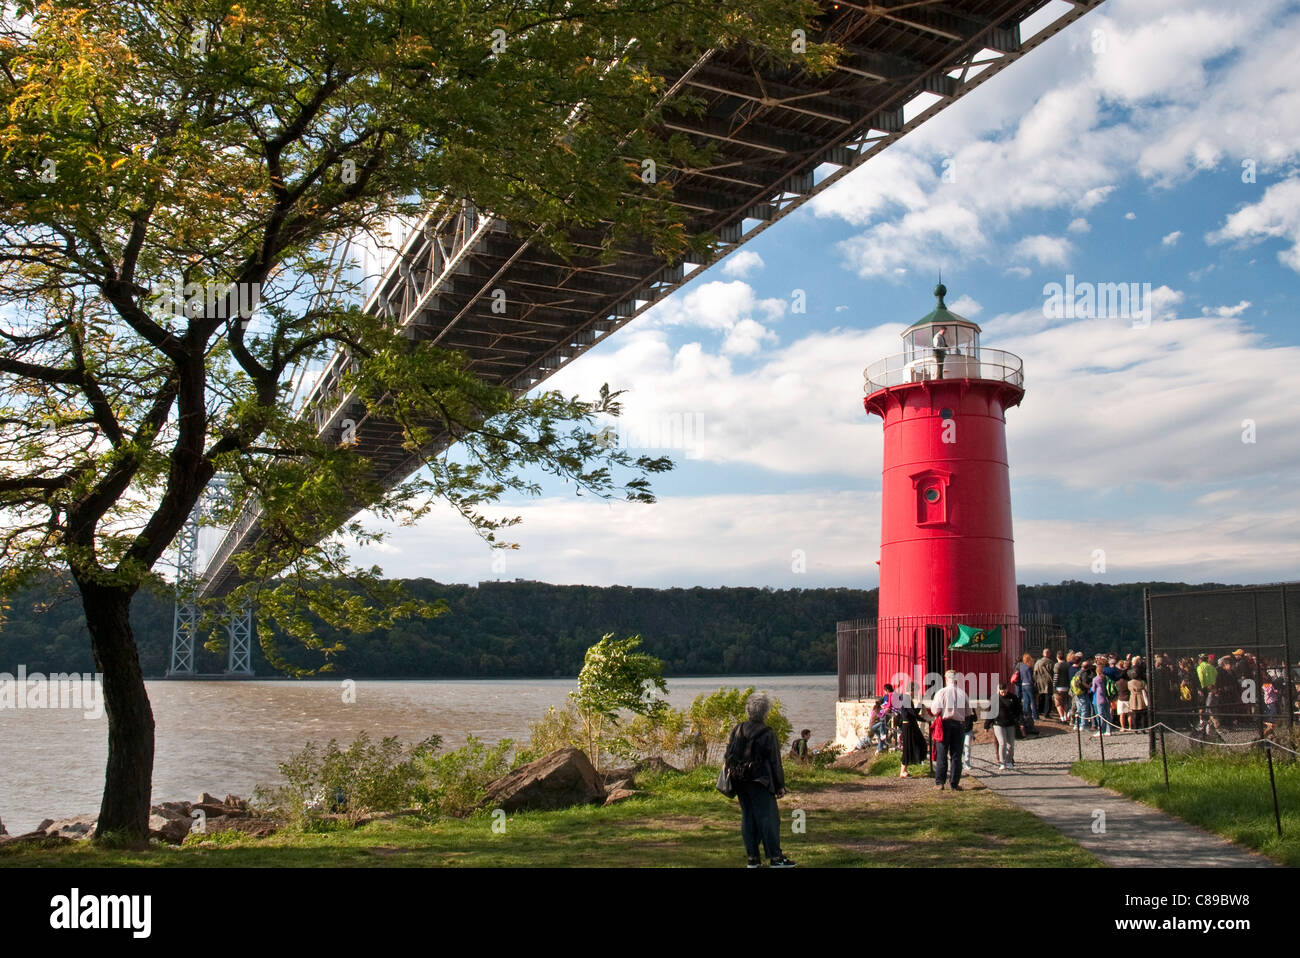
column 1118, row 830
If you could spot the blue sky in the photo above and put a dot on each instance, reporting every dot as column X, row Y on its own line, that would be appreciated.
column 1113, row 153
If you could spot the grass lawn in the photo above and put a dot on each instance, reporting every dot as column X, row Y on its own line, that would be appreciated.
column 677, row 820
column 1224, row 793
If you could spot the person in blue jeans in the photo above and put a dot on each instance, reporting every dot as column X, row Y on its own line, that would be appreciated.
column 1028, row 693
column 951, row 707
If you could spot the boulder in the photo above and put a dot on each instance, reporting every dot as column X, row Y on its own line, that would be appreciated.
column 609, row 776
column 169, row 830
column 562, row 779
column 234, row 801
column 656, row 764
column 83, row 826
column 206, row 799
column 857, row 760
column 172, row 810
column 622, row 783
column 214, row 809
column 619, row 794
column 35, row 838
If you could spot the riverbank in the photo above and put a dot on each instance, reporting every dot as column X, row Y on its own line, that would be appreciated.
column 830, row 818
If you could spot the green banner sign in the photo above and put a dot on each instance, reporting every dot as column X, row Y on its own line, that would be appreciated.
column 971, row 639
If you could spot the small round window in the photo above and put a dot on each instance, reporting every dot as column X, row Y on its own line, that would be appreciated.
column 945, row 413
column 932, row 495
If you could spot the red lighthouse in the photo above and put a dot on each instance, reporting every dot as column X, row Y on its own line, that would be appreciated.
column 946, row 551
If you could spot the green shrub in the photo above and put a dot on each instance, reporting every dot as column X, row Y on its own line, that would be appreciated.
column 455, row 783
column 659, row 734
column 827, row 756
column 363, row 778
column 558, row 728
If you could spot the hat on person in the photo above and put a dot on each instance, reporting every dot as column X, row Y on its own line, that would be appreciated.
column 1240, row 652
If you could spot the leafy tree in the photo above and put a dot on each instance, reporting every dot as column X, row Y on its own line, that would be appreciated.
column 155, row 145
column 615, row 678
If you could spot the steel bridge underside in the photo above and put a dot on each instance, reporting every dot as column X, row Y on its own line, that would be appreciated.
column 780, row 137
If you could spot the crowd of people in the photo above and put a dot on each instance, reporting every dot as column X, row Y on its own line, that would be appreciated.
column 1103, row 694
column 1211, row 693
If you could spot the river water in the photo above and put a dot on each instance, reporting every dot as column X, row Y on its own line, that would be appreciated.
column 229, row 736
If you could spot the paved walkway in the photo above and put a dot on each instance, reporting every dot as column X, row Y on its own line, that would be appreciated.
column 1135, row 835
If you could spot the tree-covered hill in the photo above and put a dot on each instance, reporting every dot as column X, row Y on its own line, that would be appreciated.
column 536, row 629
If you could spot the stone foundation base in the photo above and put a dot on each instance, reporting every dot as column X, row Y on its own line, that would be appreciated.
column 852, row 719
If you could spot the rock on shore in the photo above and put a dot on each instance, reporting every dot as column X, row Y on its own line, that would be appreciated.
column 169, row 822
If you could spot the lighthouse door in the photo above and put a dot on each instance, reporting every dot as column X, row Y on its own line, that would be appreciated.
column 936, row 637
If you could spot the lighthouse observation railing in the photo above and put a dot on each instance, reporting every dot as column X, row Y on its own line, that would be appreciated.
column 922, row 365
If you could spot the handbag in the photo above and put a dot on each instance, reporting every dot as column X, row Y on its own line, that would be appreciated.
column 724, row 784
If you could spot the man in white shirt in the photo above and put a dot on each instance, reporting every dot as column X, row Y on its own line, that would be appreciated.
column 940, row 343
column 951, row 706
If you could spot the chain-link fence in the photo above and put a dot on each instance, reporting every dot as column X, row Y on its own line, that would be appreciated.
column 1223, row 665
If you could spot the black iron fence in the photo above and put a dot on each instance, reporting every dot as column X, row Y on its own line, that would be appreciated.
column 868, row 657
column 856, row 654
column 1223, row 664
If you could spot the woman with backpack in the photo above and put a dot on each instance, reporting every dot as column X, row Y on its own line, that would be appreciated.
column 1081, row 689
column 753, row 764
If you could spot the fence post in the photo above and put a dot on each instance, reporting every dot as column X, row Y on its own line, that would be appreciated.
column 1277, row 814
column 1163, row 757
column 1101, row 737
column 1078, row 737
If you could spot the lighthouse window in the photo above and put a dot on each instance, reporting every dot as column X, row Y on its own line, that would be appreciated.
column 945, row 413
column 932, row 495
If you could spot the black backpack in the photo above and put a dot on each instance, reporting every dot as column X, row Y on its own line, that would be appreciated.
column 741, row 759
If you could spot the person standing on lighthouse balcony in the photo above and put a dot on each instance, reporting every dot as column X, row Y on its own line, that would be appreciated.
column 940, row 344
column 950, row 706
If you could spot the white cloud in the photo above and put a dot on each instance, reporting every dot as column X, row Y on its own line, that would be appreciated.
column 1130, row 215
column 1064, row 128
column 751, row 539
column 1171, row 239
column 1107, row 403
column 1230, row 312
column 1079, row 225
column 746, row 338
column 1094, row 197
column 1046, row 250
column 1275, row 216
column 1021, row 271
column 965, row 306
column 742, row 263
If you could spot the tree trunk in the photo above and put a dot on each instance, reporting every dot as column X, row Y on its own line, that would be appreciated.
column 128, row 779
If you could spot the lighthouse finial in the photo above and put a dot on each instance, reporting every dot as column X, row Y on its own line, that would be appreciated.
column 940, row 291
